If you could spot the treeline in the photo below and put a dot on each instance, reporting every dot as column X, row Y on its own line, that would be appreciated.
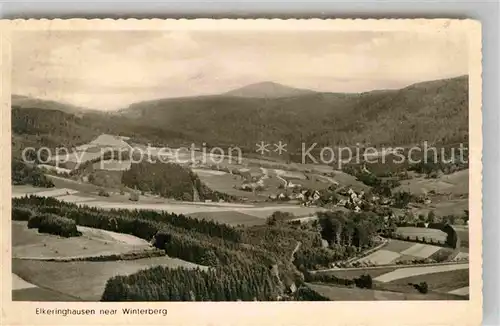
column 23, row 174
column 363, row 281
column 225, row 283
column 244, row 283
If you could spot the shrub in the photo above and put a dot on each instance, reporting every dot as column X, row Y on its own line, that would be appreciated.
column 134, row 196
column 422, row 287
column 103, row 193
column 54, row 224
column 21, row 214
column 364, row 281
column 34, row 221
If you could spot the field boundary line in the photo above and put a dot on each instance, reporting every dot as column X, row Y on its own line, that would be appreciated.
column 387, row 266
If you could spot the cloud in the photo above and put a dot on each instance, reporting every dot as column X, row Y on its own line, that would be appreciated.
column 110, row 70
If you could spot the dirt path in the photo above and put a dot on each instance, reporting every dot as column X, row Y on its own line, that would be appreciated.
column 196, row 195
column 285, row 183
column 297, row 247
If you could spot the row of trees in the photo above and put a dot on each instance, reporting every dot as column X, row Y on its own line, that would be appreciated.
column 225, row 283
column 363, row 281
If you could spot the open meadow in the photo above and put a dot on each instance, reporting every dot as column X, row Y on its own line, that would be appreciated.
column 85, row 280
column 338, row 293
column 29, row 244
column 455, row 183
column 396, row 251
column 444, row 282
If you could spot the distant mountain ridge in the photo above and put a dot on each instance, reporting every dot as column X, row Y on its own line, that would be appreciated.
column 267, row 90
column 22, row 101
column 434, row 111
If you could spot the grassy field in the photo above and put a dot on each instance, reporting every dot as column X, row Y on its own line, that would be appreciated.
column 226, row 183
column 463, row 233
column 28, row 243
column 290, row 175
column 407, row 272
column 443, row 207
column 20, row 191
column 266, row 211
column 421, row 250
column 230, row 217
column 438, row 282
column 41, row 294
column 460, row 291
column 84, row 280
column 455, row 183
column 398, row 245
column 397, row 250
column 335, row 293
column 381, row 257
column 353, row 273
column 75, row 185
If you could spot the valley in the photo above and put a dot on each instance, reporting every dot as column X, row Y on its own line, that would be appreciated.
column 92, row 224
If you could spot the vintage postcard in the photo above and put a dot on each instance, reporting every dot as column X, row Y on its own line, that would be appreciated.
column 248, row 172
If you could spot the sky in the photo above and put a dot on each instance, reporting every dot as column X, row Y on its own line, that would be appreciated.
column 109, row 70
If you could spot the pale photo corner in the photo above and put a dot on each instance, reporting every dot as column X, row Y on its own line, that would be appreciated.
column 249, row 172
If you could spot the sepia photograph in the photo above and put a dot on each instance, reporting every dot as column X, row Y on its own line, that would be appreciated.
column 242, row 165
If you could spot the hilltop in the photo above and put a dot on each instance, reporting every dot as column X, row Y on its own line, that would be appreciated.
column 268, row 90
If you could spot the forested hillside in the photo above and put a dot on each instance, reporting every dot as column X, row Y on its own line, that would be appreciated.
column 37, row 127
column 435, row 111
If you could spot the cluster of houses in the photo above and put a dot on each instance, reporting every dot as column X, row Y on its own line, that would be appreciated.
column 305, row 197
